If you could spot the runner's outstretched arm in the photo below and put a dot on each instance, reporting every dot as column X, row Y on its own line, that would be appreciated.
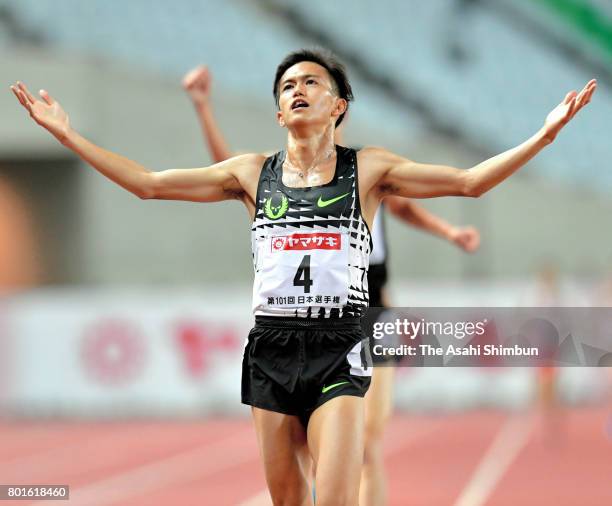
column 395, row 175
column 209, row 184
column 197, row 83
column 466, row 238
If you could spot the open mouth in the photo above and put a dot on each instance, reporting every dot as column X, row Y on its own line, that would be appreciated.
column 299, row 104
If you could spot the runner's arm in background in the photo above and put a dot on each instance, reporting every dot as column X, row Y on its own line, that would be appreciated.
column 466, row 238
column 197, row 83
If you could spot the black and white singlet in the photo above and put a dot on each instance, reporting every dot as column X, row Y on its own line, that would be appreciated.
column 311, row 245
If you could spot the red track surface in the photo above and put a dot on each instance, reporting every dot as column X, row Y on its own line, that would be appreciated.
column 487, row 458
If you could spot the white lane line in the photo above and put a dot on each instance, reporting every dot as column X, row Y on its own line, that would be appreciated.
column 262, row 498
column 189, row 465
column 500, row 455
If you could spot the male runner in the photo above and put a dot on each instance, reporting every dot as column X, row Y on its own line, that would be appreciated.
column 378, row 400
column 312, row 207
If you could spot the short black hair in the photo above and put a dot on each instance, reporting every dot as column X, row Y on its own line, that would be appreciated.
column 328, row 61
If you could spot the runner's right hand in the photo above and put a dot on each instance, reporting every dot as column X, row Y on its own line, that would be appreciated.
column 46, row 112
column 197, row 84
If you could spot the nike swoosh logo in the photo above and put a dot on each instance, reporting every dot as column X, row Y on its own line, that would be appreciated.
column 325, row 203
column 324, row 390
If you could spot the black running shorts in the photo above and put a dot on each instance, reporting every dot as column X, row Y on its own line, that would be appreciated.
column 293, row 366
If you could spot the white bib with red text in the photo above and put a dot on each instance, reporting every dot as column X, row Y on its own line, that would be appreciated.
column 301, row 270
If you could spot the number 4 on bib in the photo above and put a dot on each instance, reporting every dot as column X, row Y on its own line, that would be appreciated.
column 302, row 276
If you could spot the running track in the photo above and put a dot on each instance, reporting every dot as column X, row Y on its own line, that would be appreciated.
column 470, row 459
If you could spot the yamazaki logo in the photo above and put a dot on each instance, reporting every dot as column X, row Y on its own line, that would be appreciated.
column 306, row 242
column 115, row 352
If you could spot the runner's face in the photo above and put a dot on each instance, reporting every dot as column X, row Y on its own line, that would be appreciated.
column 307, row 97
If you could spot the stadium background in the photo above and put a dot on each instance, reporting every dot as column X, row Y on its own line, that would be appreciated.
column 115, row 308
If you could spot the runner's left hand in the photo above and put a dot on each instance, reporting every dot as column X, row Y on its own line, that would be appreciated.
column 466, row 238
column 567, row 109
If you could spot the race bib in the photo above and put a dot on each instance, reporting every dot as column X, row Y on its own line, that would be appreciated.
column 301, row 270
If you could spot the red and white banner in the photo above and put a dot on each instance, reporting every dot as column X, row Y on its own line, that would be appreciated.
column 115, row 354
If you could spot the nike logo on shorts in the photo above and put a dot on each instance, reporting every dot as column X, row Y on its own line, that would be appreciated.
column 325, row 389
